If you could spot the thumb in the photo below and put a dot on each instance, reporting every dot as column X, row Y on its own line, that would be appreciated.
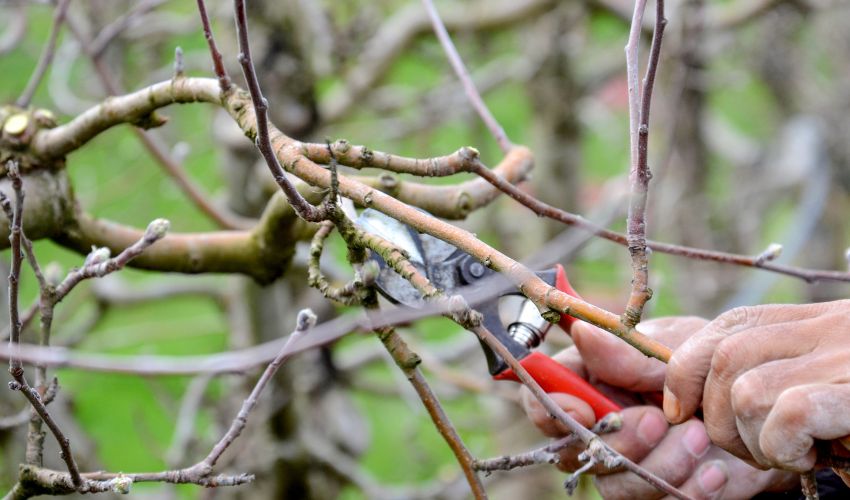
column 615, row 362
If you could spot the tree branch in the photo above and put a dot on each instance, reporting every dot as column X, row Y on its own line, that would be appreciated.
column 218, row 62
column 302, row 207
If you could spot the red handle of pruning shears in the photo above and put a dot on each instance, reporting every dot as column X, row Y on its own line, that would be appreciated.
column 555, row 377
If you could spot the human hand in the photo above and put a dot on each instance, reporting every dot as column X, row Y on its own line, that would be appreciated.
column 681, row 454
column 771, row 380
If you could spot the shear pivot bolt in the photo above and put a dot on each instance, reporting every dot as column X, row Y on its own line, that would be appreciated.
column 476, row 270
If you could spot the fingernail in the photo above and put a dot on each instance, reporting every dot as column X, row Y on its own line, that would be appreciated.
column 651, row 429
column 712, row 478
column 672, row 408
column 696, row 440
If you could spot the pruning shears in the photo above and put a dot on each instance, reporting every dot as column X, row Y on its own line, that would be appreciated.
column 508, row 314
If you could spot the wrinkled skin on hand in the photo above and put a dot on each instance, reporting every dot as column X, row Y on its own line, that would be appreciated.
column 681, row 454
column 771, row 380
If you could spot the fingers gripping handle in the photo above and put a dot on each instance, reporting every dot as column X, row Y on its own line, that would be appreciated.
column 555, row 377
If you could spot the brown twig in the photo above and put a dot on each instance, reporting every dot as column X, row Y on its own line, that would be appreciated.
column 20, row 384
column 26, row 319
column 47, row 54
column 306, row 320
column 408, row 362
column 548, row 454
column 98, row 264
column 218, row 62
column 639, row 175
column 16, row 369
column 758, row 261
column 15, row 366
column 39, row 481
column 200, row 473
column 463, row 75
column 302, row 207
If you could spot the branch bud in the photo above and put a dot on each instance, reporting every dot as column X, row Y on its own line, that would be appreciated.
column 772, row 252
column 179, row 66
column 97, row 256
column 306, row 319
column 121, row 484
column 157, row 229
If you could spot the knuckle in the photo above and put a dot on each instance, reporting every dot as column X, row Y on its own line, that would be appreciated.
column 793, row 408
column 750, row 397
column 726, row 358
column 787, row 441
column 737, row 317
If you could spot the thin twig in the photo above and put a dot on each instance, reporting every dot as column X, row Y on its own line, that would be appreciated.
column 37, row 481
column 98, row 263
column 26, row 319
column 463, row 75
column 304, row 322
column 15, row 366
column 548, row 454
column 408, row 362
column 16, row 369
column 46, row 55
column 218, row 62
column 20, row 384
column 639, row 175
column 302, row 207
